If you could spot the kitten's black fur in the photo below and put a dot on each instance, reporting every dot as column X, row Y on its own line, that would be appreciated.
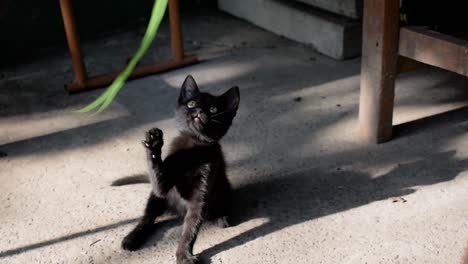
column 192, row 178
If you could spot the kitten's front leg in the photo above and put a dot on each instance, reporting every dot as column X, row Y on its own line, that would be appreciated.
column 138, row 236
column 192, row 222
column 153, row 144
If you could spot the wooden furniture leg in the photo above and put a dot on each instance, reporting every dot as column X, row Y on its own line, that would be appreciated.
column 83, row 83
column 176, row 31
column 378, row 70
column 79, row 68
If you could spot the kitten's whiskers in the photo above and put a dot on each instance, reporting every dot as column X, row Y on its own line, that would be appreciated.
column 218, row 114
column 216, row 121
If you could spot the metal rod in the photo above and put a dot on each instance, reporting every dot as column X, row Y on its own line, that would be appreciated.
column 141, row 71
column 176, row 31
column 79, row 68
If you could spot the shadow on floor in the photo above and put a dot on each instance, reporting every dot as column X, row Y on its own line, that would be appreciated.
column 19, row 250
column 287, row 200
column 306, row 195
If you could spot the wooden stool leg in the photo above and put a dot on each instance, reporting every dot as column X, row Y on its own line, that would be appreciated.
column 176, row 31
column 83, row 83
column 79, row 68
column 378, row 70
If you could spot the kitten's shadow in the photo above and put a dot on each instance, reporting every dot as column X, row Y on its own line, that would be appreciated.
column 306, row 195
column 160, row 228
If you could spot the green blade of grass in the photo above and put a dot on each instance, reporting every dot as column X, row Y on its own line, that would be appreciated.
column 108, row 96
column 95, row 103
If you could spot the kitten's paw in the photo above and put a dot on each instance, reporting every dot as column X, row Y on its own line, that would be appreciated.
column 187, row 258
column 154, row 139
column 222, row 222
column 133, row 241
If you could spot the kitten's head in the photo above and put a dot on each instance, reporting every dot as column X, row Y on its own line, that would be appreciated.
column 203, row 115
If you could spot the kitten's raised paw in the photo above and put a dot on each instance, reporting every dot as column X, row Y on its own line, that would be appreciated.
column 154, row 139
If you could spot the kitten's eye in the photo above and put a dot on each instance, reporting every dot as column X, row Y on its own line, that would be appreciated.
column 191, row 104
column 213, row 110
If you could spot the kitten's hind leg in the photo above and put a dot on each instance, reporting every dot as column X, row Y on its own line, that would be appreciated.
column 153, row 144
column 145, row 227
column 192, row 223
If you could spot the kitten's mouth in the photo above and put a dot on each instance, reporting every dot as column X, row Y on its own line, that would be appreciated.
column 199, row 120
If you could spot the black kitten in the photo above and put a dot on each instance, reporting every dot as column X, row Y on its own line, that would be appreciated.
column 192, row 179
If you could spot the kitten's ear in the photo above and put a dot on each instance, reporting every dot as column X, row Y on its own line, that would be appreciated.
column 231, row 99
column 189, row 89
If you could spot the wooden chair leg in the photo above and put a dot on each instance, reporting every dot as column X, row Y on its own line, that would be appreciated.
column 176, row 30
column 378, row 70
column 79, row 68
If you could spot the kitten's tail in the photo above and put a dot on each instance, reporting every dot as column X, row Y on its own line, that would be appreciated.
column 134, row 179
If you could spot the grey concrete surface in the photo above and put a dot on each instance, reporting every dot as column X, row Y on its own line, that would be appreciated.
column 330, row 34
column 349, row 8
column 309, row 191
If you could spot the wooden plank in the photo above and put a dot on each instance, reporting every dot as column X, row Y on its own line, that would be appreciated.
column 378, row 69
column 433, row 48
column 405, row 64
column 139, row 72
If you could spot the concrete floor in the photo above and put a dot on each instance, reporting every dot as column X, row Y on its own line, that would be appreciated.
column 310, row 191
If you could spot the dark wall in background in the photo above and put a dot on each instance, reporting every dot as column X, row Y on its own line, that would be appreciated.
column 29, row 26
